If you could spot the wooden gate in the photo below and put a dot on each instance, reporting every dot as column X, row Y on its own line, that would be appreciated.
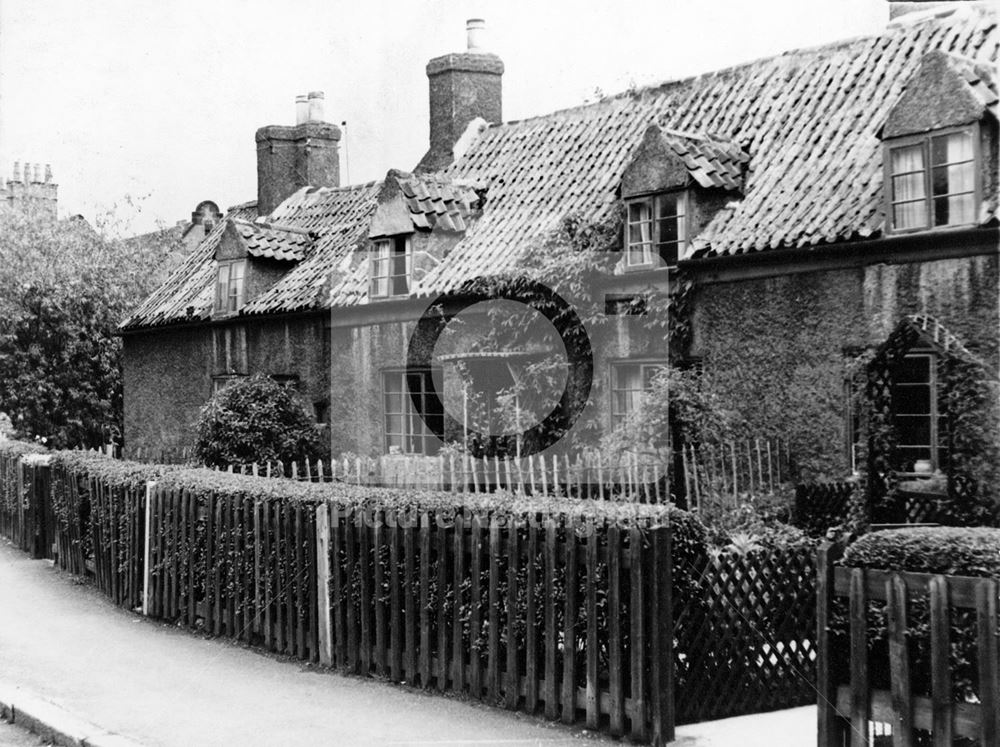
column 912, row 703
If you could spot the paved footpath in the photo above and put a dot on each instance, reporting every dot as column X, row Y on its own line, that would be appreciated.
column 162, row 685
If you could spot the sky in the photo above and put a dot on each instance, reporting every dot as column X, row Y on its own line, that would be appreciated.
column 146, row 107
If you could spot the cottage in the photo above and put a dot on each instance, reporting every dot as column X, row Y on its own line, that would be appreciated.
column 809, row 206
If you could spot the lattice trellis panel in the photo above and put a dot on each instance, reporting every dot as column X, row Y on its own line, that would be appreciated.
column 746, row 645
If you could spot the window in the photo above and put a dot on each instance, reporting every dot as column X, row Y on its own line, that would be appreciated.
column 405, row 429
column 629, row 382
column 229, row 287
column 915, row 410
column 616, row 305
column 221, row 382
column 656, row 230
column 390, row 268
column 291, row 381
column 933, row 181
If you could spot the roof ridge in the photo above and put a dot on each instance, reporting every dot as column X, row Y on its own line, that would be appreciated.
column 658, row 87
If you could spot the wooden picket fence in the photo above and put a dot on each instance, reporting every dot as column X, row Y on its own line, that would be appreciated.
column 734, row 468
column 552, row 615
column 519, row 624
column 540, row 616
column 855, row 711
column 588, row 474
column 25, row 514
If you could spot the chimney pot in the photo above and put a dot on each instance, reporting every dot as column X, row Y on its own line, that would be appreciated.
column 17, row 171
column 48, row 173
column 316, row 106
column 475, row 29
column 38, row 173
column 301, row 109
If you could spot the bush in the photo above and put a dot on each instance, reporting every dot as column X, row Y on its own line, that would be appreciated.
column 955, row 551
column 17, row 449
column 256, row 420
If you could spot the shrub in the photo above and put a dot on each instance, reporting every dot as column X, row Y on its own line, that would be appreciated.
column 953, row 551
column 17, row 449
column 256, row 420
column 956, row 551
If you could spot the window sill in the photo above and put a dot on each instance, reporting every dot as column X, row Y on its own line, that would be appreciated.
column 930, row 230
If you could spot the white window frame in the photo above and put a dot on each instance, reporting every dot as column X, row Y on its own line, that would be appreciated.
column 649, row 249
column 384, row 272
column 414, row 436
column 230, row 286
column 617, row 417
column 924, row 141
column 933, row 415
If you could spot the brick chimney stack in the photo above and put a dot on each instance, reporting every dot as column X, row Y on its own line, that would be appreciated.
column 306, row 154
column 463, row 86
column 34, row 190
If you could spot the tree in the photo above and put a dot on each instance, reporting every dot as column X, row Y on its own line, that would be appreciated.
column 64, row 287
column 256, row 419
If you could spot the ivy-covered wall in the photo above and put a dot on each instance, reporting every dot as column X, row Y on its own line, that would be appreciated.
column 779, row 350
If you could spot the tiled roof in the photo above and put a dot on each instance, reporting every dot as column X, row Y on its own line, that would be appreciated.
column 438, row 203
column 338, row 216
column 981, row 79
column 244, row 211
column 711, row 161
column 808, row 120
column 274, row 242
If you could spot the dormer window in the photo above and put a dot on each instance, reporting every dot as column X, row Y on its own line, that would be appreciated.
column 229, row 288
column 656, row 230
column 932, row 180
column 390, row 268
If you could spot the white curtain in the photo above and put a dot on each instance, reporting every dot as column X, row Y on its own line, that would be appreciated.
column 908, row 192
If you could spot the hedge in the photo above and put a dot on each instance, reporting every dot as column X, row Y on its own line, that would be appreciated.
column 16, row 449
column 953, row 551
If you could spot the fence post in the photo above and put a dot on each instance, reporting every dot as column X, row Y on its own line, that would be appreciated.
column 147, row 565
column 323, row 583
column 661, row 658
column 829, row 726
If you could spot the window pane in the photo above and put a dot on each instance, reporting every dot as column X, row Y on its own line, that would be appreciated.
column 668, row 230
column 222, row 288
column 913, row 369
column 913, row 430
column 394, row 402
column 638, row 212
column 394, row 424
column 648, row 372
column 955, row 210
column 908, row 187
column 951, row 148
column 909, row 215
column 952, row 179
column 669, row 205
column 907, row 159
column 912, row 399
